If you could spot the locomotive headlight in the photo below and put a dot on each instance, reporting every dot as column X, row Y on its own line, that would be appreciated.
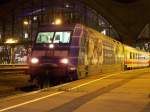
column 51, row 46
column 64, row 61
column 34, row 60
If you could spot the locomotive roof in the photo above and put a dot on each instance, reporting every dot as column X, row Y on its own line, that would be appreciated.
column 69, row 27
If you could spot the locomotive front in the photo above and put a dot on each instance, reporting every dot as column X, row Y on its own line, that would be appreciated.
column 50, row 57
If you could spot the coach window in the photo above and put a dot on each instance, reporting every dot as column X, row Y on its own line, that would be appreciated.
column 134, row 56
column 139, row 56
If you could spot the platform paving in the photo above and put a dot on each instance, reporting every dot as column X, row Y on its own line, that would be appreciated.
column 10, row 81
column 121, row 92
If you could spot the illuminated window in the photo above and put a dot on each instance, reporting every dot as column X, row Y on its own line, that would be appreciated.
column 131, row 55
column 53, row 37
column 62, row 37
column 45, row 37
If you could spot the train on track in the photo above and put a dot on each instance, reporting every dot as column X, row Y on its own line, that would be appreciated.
column 71, row 52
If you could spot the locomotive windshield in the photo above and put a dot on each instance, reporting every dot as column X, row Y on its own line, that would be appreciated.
column 53, row 37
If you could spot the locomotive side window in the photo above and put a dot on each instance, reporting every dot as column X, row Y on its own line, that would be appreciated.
column 130, row 55
column 44, row 37
column 62, row 37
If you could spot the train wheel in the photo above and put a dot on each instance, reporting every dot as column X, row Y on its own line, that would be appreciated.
column 46, row 80
column 73, row 76
column 70, row 77
column 39, row 82
column 42, row 81
column 125, row 67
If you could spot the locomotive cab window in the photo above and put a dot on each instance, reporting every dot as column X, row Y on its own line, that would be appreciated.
column 44, row 37
column 53, row 37
column 62, row 37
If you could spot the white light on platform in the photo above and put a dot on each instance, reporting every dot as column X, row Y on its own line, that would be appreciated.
column 26, row 35
column 35, row 18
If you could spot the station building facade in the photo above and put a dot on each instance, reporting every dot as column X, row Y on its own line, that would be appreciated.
column 27, row 18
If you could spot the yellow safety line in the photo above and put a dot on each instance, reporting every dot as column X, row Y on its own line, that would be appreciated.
column 31, row 101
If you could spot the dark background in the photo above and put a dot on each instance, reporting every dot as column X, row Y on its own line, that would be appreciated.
column 4, row 1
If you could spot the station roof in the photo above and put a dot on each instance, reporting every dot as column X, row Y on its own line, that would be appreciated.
column 128, row 17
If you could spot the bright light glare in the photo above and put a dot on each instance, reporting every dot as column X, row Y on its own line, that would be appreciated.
column 64, row 61
column 35, row 18
column 26, row 35
column 11, row 41
column 25, row 22
column 34, row 60
column 51, row 46
column 104, row 32
column 67, row 5
column 58, row 21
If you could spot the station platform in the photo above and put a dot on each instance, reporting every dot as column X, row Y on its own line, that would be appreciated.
column 12, row 76
column 13, row 66
column 127, row 91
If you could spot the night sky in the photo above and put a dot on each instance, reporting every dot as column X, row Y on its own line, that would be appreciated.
column 3, row 1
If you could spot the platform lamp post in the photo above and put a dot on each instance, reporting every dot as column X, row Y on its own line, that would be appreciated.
column 26, row 24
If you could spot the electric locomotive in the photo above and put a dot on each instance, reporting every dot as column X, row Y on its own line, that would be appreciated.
column 54, row 55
